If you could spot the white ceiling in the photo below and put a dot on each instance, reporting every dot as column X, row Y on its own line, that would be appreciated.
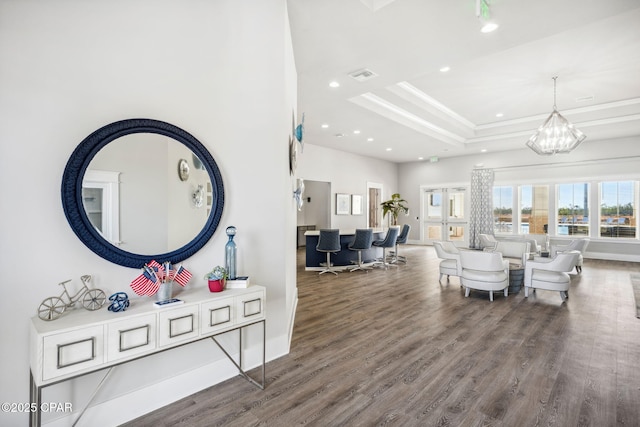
column 418, row 111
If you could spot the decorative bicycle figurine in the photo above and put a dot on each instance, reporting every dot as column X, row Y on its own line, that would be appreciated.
column 53, row 307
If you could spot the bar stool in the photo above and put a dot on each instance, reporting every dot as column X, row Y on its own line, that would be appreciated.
column 388, row 242
column 329, row 242
column 362, row 241
column 402, row 239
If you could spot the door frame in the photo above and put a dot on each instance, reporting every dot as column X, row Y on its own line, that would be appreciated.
column 445, row 220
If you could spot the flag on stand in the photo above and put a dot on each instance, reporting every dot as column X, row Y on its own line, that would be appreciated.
column 154, row 274
column 182, row 276
column 145, row 284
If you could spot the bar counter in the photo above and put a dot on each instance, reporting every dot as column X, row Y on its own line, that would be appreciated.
column 346, row 257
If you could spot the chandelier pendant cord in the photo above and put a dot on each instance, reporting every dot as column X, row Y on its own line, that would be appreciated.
column 554, row 92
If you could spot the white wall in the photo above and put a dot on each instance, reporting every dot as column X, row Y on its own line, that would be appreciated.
column 222, row 70
column 617, row 159
column 348, row 174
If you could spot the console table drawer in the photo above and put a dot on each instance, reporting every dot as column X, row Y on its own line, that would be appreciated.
column 179, row 324
column 250, row 307
column 127, row 338
column 72, row 351
column 217, row 315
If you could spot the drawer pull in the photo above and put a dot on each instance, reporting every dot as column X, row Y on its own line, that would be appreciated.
column 123, row 347
column 63, row 348
column 251, row 304
column 173, row 334
column 213, row 314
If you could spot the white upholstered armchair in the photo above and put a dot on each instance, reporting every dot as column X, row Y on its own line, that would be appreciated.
column 487, row 241
column 514, row 251
column 485, row 271
column 450, row 256
column 579, row 245
column 551, row 274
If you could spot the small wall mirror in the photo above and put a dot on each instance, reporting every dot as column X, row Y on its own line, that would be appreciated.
column 128, row 192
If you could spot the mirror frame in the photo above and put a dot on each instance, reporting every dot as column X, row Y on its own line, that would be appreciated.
column 72, row 191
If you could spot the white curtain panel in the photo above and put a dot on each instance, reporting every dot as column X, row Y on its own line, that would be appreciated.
column 481, row 218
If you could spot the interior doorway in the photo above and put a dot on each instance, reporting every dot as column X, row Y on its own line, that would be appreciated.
column 374, row 198
column 316, row 210
column 445, row 213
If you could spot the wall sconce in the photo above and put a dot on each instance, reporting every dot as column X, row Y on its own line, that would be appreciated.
column 297, row 193
column 198, row 196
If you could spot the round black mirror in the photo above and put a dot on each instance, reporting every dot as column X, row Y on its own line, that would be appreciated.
column 78, row 198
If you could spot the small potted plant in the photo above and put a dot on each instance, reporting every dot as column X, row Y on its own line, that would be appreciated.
column 216, row 278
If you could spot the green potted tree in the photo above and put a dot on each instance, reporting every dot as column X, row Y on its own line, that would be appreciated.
column 216, row 278
column 394, row 206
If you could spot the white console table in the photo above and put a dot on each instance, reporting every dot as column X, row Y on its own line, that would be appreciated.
column 84, row 341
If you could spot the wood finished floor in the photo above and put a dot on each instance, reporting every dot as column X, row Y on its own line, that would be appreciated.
column 398, row 348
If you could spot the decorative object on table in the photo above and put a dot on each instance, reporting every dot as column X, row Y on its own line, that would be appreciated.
column 239, row 282
column 119, row 302
column 198, row 196
column 91, row 299
column 183, row 170
column 230, row 253
column 299, row 133
column 216, row 278
column 343, row 202
column 395, row 206
column 297, row 193
column 157, row 279
column 556, row 134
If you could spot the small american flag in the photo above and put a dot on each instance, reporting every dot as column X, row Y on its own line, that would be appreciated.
column 145, row 284
column 182, row 276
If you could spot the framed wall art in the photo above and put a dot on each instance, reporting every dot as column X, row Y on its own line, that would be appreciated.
column 356, row 204
column 342, row 204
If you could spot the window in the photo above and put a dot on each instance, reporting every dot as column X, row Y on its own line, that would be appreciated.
column 573, row 209
column 534, row 209
column 618, row 207
column 503, row 209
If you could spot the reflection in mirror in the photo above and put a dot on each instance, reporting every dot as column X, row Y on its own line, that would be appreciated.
column 153, row 210
column 101, row 203
column 164, row 191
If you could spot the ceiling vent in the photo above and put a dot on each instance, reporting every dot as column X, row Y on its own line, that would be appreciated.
column 362, row 75
column 585, row 98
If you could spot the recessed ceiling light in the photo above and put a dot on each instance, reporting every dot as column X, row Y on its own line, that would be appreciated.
column 489, row 27
column 499, row 114
column 369, row 139
column 334, row 84
column 420, row 158
column 324, row 126
column 356, row 131
column 484, row 150
column 389, row 149
column 445, row 69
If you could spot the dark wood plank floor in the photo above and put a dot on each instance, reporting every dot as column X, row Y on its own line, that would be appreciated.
column 398, row 348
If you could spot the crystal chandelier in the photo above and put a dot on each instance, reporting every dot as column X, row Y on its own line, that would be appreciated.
column 556, row 135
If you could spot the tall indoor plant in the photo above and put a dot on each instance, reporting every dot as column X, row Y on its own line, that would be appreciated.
column 394, row 206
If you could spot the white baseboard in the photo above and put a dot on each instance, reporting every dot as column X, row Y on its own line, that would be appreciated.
column 292, row 318
column 612, row 257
